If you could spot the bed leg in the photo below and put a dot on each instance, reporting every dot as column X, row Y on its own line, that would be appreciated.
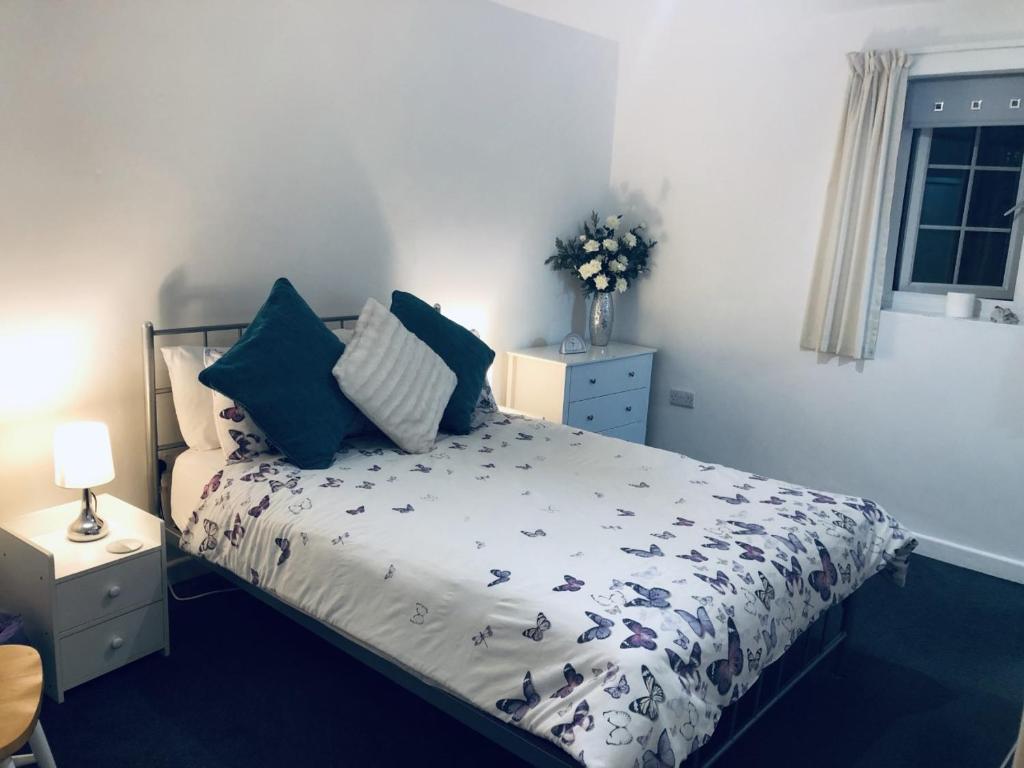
column 839, row 657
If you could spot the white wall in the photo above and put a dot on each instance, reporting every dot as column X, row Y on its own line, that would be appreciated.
column 726, row 121
column 168, row 160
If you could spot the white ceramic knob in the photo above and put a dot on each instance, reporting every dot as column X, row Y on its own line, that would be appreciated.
column 114, row 591
column 116, row 642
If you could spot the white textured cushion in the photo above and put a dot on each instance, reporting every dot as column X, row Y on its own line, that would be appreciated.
column 345, row 334
column 192, row 400
column 396, row 380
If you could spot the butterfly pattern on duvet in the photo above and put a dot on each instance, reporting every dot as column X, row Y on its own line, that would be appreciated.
column 581, row 718
column 517, row 708
column 536, row 633
column 679, row 626
column 573, row 680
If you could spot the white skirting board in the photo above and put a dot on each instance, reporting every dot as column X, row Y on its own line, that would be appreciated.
column 968, row 557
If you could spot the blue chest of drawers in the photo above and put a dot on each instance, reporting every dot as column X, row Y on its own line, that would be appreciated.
column 606, row 389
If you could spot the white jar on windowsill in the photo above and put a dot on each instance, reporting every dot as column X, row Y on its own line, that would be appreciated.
column 960, row 305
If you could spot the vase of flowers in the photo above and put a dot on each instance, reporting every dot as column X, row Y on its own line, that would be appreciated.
column 606, row 260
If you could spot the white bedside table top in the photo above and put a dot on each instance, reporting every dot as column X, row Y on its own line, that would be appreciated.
column 613, row 351
column 46, row 529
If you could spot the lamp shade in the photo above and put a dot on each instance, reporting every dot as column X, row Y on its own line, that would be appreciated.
column 81, row 455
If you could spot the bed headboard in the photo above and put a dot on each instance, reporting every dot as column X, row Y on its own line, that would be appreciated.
column 155, row 449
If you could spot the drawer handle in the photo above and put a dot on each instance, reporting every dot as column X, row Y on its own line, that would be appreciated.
column 590, row 417
column 629, row 408
column 632, row 374
column 593, row 381
column 116, row 642
column 114, row 591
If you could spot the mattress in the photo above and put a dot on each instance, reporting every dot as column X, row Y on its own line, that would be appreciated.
column 609, row 597
column 193, row 469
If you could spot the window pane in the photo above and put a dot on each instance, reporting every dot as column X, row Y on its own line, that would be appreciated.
column 935, row 260
column 992, row 194
column 952, row 146
column 1001, row 145
column 983, row 261
column 944, row 197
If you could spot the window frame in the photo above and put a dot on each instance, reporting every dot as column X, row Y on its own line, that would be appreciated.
column 988, row 58
column 913, row 177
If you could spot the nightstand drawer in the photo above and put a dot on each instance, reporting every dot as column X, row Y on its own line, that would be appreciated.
column 97, row 650
column 606, row 377
column 107, row 591
column 634, row 433
column 600, row 413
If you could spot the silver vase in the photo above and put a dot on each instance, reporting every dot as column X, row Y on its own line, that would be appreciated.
column 602, row 316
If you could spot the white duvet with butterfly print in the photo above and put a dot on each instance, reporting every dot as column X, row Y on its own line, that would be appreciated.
column 608, row 597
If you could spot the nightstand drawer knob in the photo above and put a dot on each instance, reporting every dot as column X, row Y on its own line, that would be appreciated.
column 632, row 374
column 593, row 381
column 114, row 591
column 590, row 417
column 116, row 642
column 629, row 408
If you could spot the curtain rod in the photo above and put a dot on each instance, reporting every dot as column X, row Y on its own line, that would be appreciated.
column 966, row 47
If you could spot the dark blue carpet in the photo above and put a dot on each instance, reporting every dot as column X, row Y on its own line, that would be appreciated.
column 933, row 676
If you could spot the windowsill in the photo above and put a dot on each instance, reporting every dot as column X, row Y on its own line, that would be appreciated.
column 934, row 305
column 924, row 314
column 942, row 316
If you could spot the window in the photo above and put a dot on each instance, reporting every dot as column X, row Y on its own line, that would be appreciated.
column 960, row 224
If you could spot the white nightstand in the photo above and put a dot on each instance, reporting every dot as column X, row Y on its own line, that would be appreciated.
column 606, row 389
column 86, row 611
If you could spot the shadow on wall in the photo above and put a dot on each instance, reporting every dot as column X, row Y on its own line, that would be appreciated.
column 526, row 117
column 353, row 149
column 637, row 208
column 330, row 240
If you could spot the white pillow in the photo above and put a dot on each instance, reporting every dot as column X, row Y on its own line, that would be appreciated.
column 486, row 408
column 396, row 380
column 191, row 399
column 239, row 437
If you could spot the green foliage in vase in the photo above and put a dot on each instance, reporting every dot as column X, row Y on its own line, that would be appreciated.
column 603, row 257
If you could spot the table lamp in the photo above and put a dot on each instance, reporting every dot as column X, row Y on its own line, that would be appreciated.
column 82, row 459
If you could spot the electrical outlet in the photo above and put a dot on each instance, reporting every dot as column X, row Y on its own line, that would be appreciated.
column 681, row 397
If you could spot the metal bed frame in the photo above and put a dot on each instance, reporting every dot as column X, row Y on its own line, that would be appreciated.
column 818, row 642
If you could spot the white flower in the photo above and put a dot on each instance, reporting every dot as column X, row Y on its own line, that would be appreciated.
column 591, row 245
column 610, row 245
column 621, row 285
column 583, row 238
column 630, row 239
column 601, row 281
column 591, row 267
column 611, row 222
column 623, row 263
column 615, row 266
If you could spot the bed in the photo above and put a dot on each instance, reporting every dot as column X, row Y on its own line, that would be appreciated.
column 579, row 599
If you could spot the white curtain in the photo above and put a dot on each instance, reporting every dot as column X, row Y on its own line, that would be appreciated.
column 846, row 292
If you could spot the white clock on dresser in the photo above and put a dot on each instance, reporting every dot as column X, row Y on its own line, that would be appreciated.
column 86, row 610
column 606, row 389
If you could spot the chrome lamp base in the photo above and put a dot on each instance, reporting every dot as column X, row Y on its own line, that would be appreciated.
column 87, row 526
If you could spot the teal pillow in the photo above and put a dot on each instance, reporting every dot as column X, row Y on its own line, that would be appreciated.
column 280, row 373
column 467, row 356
